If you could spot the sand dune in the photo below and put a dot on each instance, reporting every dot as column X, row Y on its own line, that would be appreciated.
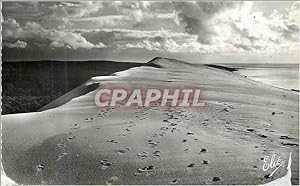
column 223, row 143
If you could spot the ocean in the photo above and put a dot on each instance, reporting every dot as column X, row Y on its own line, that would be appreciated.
column 279, row 75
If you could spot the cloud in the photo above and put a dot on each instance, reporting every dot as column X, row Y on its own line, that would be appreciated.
column 235, row 27
column 56, row 38
column 132, row 34
column 169, row 44
column 109, row 21
column 172, row 27
column 256, row 32
column 294, row 15
column 17, row 44
column 11, row 28
column 126, row 15
column 74, row 9
column 150, row 40
column 146, row 44
column 196, row 16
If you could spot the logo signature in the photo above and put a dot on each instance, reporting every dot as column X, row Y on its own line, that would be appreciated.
column 273, row 163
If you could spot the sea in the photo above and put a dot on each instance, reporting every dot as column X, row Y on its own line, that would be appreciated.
column 279, row 75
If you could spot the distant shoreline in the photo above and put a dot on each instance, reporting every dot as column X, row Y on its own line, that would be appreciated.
column 237, row 69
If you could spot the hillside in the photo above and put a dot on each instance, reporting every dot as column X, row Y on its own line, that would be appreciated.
column 28, row 86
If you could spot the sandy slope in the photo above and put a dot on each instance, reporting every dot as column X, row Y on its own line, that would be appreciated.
column 222, row 143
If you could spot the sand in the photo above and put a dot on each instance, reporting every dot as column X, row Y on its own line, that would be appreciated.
column 222, row 143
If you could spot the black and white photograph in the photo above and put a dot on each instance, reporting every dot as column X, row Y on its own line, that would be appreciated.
column 150, row 92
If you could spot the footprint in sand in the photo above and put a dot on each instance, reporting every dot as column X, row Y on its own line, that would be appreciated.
column 289, row 144
column 75, row 128
column 127, row 134
column 40, row 167
column 152, row 143
column 164, row 128
column 162, row 133
column 191, row 165
column 112, row 141
column 204, row 123
column 203, row 150
column 173, row 129
column 105, row 164
column 89, row 120
column 156, row 154
column 173, row 124
column 262, row 135
column 132, row 125
column 71, row 137
column 250, row 130
column 205, row 162
column 149, row 168
column 285, row 137
column 62, row 155
column 174, row 182
column 62, row 145
column 111, row 180
column 127, row 129
column 190, row 133
column 155, row 135
column 216, row 179
column 143, row 154
column 122, row 151
column 226, row 109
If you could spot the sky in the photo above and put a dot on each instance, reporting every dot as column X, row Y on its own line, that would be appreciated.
column 141, row 30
